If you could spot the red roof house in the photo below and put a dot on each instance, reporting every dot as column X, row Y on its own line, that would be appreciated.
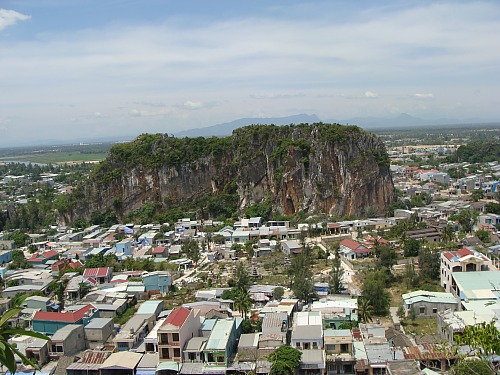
column 352, row 249
column 49, row 322
column 101, row 274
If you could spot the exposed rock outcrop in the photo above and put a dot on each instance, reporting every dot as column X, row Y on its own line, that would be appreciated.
column 319, row 168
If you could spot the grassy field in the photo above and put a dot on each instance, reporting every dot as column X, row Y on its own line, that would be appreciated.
column 56, row 157
column 421, row 326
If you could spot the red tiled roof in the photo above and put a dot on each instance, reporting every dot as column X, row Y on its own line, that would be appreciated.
column 96, row 272
column 49, row 254
column 361, row 249
column 333, row 225
column 350, row 244
column 34, row 258
column 63, row 317
column 76, row 264
column 448, row 255
column 158, row 250
column 463, row 252
column 177, row 317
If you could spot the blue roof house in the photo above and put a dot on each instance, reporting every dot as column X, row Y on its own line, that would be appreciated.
column 124, row 246
column 159, row 280
column 222, row 343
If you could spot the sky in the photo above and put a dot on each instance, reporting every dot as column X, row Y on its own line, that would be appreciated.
column 80, row 69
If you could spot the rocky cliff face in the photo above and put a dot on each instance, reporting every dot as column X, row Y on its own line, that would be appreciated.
column 319, row 168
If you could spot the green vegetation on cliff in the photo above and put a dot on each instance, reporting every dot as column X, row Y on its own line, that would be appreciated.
column 259, row 169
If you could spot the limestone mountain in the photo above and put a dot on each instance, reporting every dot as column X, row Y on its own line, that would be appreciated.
column 318, row 168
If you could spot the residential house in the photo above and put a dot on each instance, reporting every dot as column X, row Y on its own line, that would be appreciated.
column 132, row 334
column 193, row 351
column 181, row 325
column 336, row 310
column 38, row 302
column 307, row 331
column 291, row 247
column 101, row 275
column 160, row 252
column 121, row 363
column 124, row 246
column 43, row 257
column 151, row 340
column 339, row 351
column 49, row 322
column 152, row 307
column 248, row 347
column 34, row 348
column 160, row 281
column 463, row 260
column 222, row 343
column 5, row 255
column 427, row 304
column 67, row 341
column 479, row 285
column 352, row 250
column 431, row 235
column 98, row 332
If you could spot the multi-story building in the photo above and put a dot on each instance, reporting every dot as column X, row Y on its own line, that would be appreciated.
column 181, row 325
column 463, row 260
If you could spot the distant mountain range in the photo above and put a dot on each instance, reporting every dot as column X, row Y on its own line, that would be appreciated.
column 401, row 121
column 227, row 128
column 370, row 123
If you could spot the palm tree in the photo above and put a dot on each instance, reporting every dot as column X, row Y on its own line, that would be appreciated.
column 8, row 350
column 365, row 310
column 243, row 302
column 447, row 234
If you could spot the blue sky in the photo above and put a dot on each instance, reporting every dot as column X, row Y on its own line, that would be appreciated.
column 72, row 70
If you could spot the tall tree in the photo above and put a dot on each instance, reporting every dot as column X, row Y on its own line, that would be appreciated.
column 301, row 277
column 336, row 274
column 242, row 278
column 428, row 262
column 365, row 310
column 448, row 234
column 387, row 257
column 373, row 290
column 243, row 302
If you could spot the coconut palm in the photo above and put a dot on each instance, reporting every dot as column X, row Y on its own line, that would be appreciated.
column 447, row 234
column 365, row 310
column 243, row 302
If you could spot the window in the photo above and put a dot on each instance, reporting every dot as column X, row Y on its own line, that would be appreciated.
column 210, row 357
column 165, row 353
column 192, row 356
column 434, row 310
column 315, row 345
column 175, row 337
column 344, row 348
column 177, row 352
column 422, row 310
column 163, row 338
column 330, row 347
column 307, row 345
column 57, row 348
column 220, row 359
column 297, row 345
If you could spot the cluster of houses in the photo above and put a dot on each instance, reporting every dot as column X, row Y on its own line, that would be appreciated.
column 206, row 337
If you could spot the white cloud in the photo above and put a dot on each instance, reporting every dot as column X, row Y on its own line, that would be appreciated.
column 424, row 96
column 308, row 64
column 188, row 104
column 11, row 17
column 371, row 94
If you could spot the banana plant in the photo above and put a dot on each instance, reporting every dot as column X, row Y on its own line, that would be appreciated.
column 8, row 350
